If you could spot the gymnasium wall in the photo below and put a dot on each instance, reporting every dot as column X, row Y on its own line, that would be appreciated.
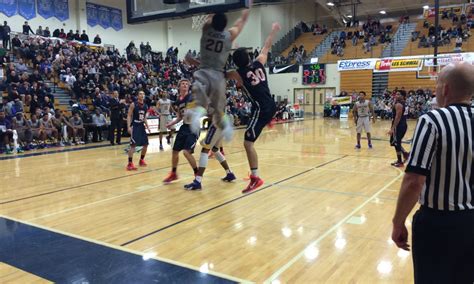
column 154, row 32
column 178, row 33
column 16, row 22
column 283, row 84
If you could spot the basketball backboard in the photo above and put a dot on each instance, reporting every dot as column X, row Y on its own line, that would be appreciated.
column 140, row 11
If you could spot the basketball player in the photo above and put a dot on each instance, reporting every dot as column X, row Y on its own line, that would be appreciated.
column 363, row 110
column 35, row 127
column 48, row 130
column 209, row 83
column 212, row 141
column 252, row 76
column 136, row 121
column 399, row 128
column 23, row 130
column 164, row 109
column 185, row 139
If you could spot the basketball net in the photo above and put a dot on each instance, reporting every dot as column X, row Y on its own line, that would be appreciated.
column 200, row 20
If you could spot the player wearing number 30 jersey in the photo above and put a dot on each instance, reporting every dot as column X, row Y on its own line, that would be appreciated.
column 253, row 77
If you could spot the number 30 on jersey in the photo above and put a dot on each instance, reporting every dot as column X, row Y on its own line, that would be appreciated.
column 257, row 77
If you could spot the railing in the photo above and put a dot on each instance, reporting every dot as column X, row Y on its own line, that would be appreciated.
column 413, row 48
column 287, row 39
column 399, row 35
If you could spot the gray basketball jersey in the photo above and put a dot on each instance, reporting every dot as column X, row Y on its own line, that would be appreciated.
column 363, row 109
column 165, row 106
column 215, row 49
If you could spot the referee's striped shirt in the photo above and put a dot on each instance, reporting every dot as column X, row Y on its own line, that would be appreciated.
column 442, row 150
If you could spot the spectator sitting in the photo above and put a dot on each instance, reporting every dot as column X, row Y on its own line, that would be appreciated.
column 84, row 36
column 97, row 40
column 21, row 67
column 40, row 31
column 77, row 36
column 46, row 32
column 62, row 34
column 70, row 35
column 99, row 123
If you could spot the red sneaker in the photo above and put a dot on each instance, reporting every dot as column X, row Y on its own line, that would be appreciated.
column 142, row 163
column 170, row 178
column 255, row 182
column 272, row 123
column 131, row 167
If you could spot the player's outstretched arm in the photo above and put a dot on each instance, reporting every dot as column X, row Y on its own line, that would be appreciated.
column 240, row 23
column 263, row 56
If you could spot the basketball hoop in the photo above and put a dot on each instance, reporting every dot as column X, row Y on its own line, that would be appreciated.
column 200, row 20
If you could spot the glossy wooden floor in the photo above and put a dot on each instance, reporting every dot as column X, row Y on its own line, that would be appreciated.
column 323, row 214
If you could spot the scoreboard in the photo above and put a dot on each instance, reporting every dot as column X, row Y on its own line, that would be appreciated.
column 314, row 74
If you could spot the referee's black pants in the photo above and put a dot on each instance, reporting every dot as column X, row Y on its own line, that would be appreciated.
column 443, row 246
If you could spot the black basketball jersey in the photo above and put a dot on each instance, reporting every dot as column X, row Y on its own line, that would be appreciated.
column 184, row 105
column 256, row 83
column 403, row 119
column 139, row 113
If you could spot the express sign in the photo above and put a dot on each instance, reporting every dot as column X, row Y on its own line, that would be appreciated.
column 349, row 65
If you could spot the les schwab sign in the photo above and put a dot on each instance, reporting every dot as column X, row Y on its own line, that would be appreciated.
column 393, row 65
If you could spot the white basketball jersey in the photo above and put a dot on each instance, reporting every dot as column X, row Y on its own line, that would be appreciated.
column 363, row 109
column 165, row 105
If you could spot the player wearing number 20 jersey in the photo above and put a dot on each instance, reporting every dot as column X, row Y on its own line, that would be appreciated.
column 209, row 81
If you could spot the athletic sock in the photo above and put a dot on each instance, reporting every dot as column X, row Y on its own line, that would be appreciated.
column 142, row 157
column 173, row 170
column 199, row 179
column 254, row 172
column 130, row 160
column 228, row 171
column 195, row 170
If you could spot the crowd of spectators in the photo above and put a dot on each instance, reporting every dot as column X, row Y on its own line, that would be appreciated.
column 371, row 34
column 459, row 31
column 418, row 102
column 91, row 75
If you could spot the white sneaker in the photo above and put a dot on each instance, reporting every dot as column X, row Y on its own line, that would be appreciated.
column 195, row 119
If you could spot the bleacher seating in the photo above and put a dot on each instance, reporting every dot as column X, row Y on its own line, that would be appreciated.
column 360, row 80
column 357, row 52
column 308, row 40
column 412, row 48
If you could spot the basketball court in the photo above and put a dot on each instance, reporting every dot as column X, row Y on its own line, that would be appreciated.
column 323, row 214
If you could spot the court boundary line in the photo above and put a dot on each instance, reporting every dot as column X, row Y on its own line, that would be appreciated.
column 63, row 150
column 228, row 202
column 113, row 197
column 96, row 182
column 290, row 263
column 128, row 250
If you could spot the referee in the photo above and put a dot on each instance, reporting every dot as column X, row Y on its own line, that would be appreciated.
column 440, row 175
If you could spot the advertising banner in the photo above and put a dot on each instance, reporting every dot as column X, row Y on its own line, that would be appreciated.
column 445, row 59
column 281, row 69
column 397, row 65
column 356, row 64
